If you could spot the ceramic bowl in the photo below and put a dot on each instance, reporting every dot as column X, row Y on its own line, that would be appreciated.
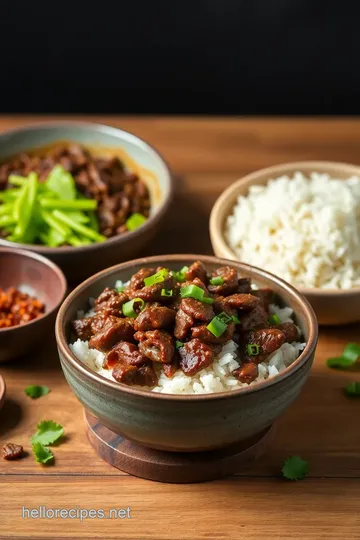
column 332, row 306
column 2, row 392
column 80, row 262
column 46, row 282
column 180, row 422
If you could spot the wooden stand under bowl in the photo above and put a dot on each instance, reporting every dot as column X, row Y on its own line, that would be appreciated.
column 172, row 467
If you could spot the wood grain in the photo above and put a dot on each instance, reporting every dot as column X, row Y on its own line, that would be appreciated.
column 322, row 426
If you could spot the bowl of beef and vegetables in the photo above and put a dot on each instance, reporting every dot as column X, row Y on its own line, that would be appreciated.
column 85, row 195
column 186, row 352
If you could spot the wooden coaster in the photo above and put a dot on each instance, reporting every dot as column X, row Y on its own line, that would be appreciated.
column 173, row 467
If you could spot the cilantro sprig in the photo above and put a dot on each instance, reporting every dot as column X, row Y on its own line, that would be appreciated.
column 35, row 391
column 47, row 433
column 42, row 453
column 295, row 468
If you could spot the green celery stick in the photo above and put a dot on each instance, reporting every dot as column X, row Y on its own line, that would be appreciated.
column 6, row 209
column 78, row 216
column 76, row 241
column 27, row 207
column 78, row 227
column 93, row 221
column 55, row 239
column 9, row 195
column 19, row 203
column 17, row 180
column 85, row 204
column 54, row 223
column 7, row 220
column 62, row 183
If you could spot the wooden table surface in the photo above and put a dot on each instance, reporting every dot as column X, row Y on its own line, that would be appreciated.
column 322, row 426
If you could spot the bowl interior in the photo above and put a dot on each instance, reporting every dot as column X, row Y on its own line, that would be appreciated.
column 79, row 300
column 37, row 276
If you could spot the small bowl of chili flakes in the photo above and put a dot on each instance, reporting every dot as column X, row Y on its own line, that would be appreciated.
column 31, row 291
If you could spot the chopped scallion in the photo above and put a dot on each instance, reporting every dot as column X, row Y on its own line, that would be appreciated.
column 166, row 292
column 180, row 276
column 253, row 349
column 179, row 344
column 218, row 280
column 135, row 221
column 235, row 319
column 159, row 277
column 120, row 289
column 352, row 389
column 274, row 319
column 193, row 291
column 217, row 327
column 128, row 308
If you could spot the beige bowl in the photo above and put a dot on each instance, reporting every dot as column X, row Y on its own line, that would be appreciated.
column 332, row 306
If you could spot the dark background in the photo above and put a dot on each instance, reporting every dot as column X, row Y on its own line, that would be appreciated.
column 204, row 56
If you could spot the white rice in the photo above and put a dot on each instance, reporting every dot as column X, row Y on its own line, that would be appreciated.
column 305, row 230
column 215, row 378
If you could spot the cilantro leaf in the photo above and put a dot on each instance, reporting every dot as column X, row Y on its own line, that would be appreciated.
column 48, row 432
column 352, row 389
column 295, row 468
column 34, row 391
column 41, row 453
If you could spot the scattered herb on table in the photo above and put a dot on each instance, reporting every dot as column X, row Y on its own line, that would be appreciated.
column 348, row 358
column 295, row 468
column 48, row 432
column 42, row 453
column 35, row 391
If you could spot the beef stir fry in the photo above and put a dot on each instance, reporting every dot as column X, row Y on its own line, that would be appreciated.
column 120, row 194
column 181, row 320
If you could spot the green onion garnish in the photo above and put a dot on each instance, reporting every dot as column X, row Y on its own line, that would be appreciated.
column 216, row 326
column 166, row 292
column 179, row 344
column 224, row 317
column 128, row 308
column 253, row 349
column 274, row 319
column 135, row 221
column 181, row 274
column 193, row 291
column 121, row 289
column 235, row 319
column 352, row 352
column 348, row 359
column 352, row 389
column 217, row 280
column 159, row 277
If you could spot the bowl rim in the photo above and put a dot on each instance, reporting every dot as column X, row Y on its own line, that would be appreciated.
column 217, row 235
column 53, row 267
column 69, row 357
column 2, row 390
column 119, row 238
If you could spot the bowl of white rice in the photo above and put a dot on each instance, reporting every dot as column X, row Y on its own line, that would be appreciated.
column 301, row 222
column 209, row 411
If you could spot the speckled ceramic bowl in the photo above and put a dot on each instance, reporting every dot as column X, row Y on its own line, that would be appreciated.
column 192, row 422
column 81, row 262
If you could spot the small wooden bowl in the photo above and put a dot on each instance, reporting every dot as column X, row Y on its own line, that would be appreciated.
column 184, row 423
column 332, row 306
column 48, row 283
column 2, row 392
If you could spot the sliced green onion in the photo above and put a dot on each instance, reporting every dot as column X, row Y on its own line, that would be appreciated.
column 339, row 362
column 159, row 277
column 217, row 327
column 179, row 344
column 274, row 319
column 253, row 349
column 121, row 289
column 352, row 389
column 135, row 221
column 180, row 276
column 128, row 308
column 235, row 319
column 224, row 317
column 193, row 291
column 351, row 352
column 67, row 204
column 217, row 280
column 166, row 292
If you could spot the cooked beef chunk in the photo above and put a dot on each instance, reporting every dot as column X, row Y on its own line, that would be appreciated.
column 152, row 293
column 196, row 281
column 244, row 286
column 196, row 309
column 104, row 297
column 137, row 280
column 290, row 331
column 12, row 451
column 247, row 373
column 266, row 297
column 242, row 302
column 196, row 270
column 257, row 318
column 112, row 332
column 268, row 340
column 171, row 369
column 194, row 356
column 220, row 306
column 202, row 333
column 82, row 328
column 126, row 353
column 183, row 323
column 230, row 277
column 131, row 375
column 115, row 304
column 156, row 345
column 152, row 318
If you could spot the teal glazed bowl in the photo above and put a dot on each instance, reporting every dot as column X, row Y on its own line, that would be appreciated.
column 185, row 423
column 81, row 262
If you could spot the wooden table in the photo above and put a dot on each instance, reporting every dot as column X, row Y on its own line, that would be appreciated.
column 322, row 426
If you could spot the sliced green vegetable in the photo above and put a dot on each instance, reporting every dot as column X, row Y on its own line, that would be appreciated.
column 159, row 277
column 54, row 223
column 9, row 195
column 353, row 389
column 78, row 227
column 35, row 391
column 121, row 289
column 340, row 362
column 224, row 317
column 218, row 280
column 167, row 292
column 274, row 319
column 179, row 344
column 17, row 180
column 351, row 352
column 26, row 207
column 135, row 221
column 128, row 308
column 217, row 327
column 253, row 349
column 76, row 241
column 42, row 454
column 62, row 183
column 6, row 209
column 7, row 220
column 48, row 432
column 295, row 468
column 66, row 204
column 193, row 291
column 93, row 222
column 180, row 276
column 235, row 319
